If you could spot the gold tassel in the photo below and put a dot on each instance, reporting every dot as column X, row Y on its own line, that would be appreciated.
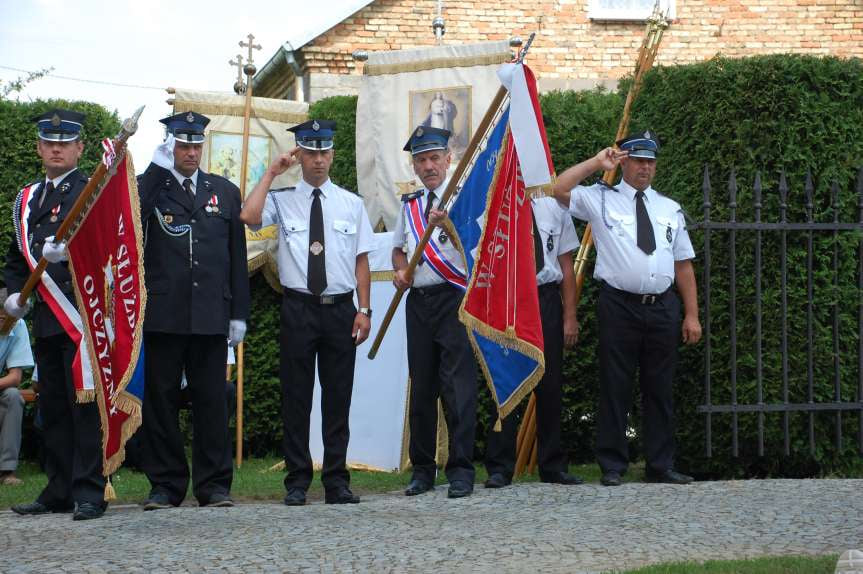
column 498, row 425
column 110, row 494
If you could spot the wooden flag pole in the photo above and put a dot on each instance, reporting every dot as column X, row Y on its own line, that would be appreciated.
column 249, row 69
column 655, row 28
column 79, row 209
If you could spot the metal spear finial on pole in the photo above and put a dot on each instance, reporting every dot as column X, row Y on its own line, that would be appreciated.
column 438, row 24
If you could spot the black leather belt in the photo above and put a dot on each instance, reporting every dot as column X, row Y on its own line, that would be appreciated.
column 550, row 286
column 640, row 298
column 432, row 289
column 318, row 299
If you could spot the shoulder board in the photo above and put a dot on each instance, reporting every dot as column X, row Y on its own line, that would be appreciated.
column 413, row 195
column 689, row 221
column 281, row 189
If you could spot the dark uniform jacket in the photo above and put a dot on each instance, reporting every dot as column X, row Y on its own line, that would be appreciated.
column 194, row 258
column 45, row 324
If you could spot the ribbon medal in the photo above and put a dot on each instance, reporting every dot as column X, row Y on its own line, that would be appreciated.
column 55, row 211
column 213, row 204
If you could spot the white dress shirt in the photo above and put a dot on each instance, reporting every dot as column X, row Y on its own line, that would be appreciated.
column 181, row 178
column 347, row 234
column 403, row 238
column 619, row 261
column 557, row 232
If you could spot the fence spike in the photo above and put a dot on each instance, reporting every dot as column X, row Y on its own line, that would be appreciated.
column 783, row 195
column 732, row 190
column 705, row 187
column 860, row 188
column 834, row 200
column 756, row 190
column 809, row 191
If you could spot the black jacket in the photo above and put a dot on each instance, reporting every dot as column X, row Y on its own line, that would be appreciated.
column 42, row 226
column 194, row 258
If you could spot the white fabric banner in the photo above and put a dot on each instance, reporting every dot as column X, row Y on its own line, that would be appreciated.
column 378, row 406
column 524, row 126
column 448, row 87
column 223, row 150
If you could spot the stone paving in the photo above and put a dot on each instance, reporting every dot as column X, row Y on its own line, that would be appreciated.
column 526, row 527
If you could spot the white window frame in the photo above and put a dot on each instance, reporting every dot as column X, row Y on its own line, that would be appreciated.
column 638, row 10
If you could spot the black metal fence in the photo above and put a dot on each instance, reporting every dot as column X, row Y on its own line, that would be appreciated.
column 823, row 316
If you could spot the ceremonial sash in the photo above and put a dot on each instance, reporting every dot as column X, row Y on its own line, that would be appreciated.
column 432, row 254
column 63, row 309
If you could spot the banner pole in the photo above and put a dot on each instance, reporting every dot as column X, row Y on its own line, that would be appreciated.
column 249, row 69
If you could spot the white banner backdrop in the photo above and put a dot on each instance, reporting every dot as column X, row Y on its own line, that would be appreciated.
column 377, row 420
column 448, row 87
column 223, row 149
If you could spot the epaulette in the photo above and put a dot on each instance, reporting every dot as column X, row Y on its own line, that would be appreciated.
column 413, row 195
column 280, row 189
column 689, row 221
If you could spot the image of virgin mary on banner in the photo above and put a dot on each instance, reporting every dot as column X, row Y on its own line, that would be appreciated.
column 492, row 217
column 107, row 266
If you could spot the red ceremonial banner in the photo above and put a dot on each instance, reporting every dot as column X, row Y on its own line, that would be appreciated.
column 107, row 266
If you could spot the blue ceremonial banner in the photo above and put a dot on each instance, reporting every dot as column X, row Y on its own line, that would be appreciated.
column 491, row 216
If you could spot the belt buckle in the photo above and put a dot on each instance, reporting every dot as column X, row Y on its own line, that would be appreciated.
column 648, row 299
column 327, row 300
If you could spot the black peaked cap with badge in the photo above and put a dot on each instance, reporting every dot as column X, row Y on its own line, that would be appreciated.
column 59, row 125
column 642, row 144
column 426, row 138
column 187, row 127
column 314, row 135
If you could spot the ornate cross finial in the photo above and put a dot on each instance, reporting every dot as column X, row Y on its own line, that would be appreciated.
column 251, row 46
column 239, row 86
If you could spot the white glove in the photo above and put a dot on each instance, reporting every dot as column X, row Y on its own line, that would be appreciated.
column 54, row 252
column 11, row 306
column 236, row 332
column 163, row 156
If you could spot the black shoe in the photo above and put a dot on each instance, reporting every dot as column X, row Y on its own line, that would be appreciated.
column 668, row 477
column 561, row 478
column 35, row 508
column 459, row 489
column 157, row 501
column 219, row 500
column 497, row 480
column 296, row 497
column 610, row 478
column 341, row 495
column 88, row 511
column 418, row 486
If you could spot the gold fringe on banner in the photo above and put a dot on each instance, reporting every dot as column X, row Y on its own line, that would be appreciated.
column 465, row 62
column 237, row 110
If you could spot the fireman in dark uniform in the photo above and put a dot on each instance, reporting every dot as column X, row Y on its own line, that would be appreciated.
column 73, row 456
column 197, row 304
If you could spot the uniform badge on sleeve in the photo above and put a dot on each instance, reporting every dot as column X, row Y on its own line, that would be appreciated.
column 668, row 233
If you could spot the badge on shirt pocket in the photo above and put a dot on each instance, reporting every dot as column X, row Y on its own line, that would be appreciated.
column 668, row 233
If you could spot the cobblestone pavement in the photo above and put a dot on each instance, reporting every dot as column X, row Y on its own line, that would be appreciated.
column 526, row 527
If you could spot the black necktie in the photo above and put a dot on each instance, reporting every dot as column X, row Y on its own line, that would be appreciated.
column 538, row 253
column 49, row 187
column 646, row 240
column 317, row 270
column 430, row 200
column 187, row 185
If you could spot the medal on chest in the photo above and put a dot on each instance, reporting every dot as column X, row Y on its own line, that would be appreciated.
column 213, row 204
column 55, row 213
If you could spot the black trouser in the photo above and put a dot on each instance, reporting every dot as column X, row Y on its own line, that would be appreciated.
column 500, row 446
column 633, row 334
column 312, row 331
column 441, row 364
column 71, row 431
column 203, row 358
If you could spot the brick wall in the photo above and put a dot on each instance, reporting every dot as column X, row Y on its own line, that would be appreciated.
column 571, row 50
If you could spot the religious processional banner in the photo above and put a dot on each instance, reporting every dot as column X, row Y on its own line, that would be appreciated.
column 223, row 150
column 446, row 87
column 106, row 259
column 492, row 217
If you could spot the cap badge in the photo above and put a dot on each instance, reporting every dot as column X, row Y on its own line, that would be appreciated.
column 190, row 117
column 315, row 125
column 647, row 135
column 419, row 132
column 55, row 120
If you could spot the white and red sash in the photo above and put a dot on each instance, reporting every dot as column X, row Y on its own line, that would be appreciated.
column 432, row 254
column 63, row 309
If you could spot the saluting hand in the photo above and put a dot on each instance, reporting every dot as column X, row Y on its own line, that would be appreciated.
column 609, row 158
column 284, row 162
column 361, row 328
column 691, row 330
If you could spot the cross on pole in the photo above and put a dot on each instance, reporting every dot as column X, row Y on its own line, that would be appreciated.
column 251, row 46
column 239, row 86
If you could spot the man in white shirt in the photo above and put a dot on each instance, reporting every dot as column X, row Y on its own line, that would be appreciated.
column 324, row 240
column 642, row 250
